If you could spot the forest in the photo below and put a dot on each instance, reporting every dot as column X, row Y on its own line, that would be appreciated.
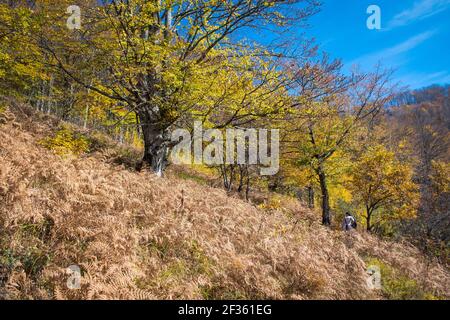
column 132, row 72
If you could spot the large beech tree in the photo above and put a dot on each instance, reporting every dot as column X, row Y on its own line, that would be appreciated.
column 169, row 62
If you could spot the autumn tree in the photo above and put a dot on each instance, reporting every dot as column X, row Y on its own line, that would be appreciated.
column 384, row 187
column 438, row 225
column 18, row 67
column 419, row 124
column 329, row 108
column 168, row 61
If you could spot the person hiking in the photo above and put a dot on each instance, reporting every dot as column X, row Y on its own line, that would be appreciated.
column 349, row 222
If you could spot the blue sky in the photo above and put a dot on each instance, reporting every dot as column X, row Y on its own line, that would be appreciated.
column 414, row 37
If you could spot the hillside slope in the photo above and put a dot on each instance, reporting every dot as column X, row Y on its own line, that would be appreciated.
column 137, row 236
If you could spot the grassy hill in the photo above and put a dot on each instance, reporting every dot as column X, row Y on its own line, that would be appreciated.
column 136, row 236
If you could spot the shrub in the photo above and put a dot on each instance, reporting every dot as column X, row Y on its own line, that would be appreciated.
column 66, row 141
column 398, row 286
column 3, row 109
column 185, row 175
column 273, row 203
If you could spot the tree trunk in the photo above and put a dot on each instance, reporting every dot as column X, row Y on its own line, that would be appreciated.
column 310, row 197
column 230, row 185
column 368, row 219
column 227, row 173
column 241, row 179
column 86, row 117
column 326, row 215
column 156, row 145
column 49, row 95
column 247, row 188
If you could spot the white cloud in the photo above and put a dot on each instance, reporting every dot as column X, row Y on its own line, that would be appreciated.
column 419, row 80
column 391, row 53
column 421, row 9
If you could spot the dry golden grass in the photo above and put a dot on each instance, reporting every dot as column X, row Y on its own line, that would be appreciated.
column 139, row 237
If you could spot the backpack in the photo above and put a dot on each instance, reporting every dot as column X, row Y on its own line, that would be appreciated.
column 354, row 224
